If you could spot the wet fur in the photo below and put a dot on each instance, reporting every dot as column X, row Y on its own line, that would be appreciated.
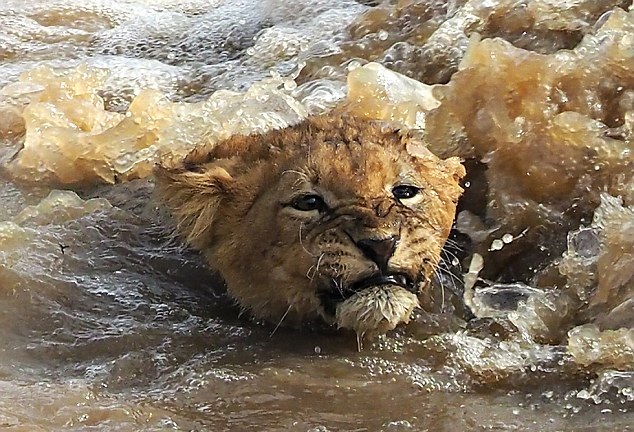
column 232, row 201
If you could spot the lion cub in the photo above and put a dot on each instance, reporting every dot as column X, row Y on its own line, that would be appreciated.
column 335, row 218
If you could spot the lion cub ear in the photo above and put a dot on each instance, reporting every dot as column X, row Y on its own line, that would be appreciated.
column 451, row 169
column 417, row 148
column 192, row 190
column 455, row 168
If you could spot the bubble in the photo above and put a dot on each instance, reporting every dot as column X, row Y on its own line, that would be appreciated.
column 496, row 245
column 353, row 65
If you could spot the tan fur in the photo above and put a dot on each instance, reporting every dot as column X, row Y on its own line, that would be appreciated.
column 376, row 310
column 232, row 202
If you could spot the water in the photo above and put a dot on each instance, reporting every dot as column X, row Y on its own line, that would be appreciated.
column 109, row 323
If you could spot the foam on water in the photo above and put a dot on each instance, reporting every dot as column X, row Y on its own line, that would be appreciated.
column 109, row 323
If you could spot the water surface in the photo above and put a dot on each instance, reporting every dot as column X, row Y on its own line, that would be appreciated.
column 109, row 323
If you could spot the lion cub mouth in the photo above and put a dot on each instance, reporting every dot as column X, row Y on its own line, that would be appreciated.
column 337, row 294
column 374, row 305
column 396, row 279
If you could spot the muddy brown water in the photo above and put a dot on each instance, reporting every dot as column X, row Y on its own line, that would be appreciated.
column 107, row 322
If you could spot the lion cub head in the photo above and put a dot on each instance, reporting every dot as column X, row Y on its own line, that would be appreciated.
column 335, row 218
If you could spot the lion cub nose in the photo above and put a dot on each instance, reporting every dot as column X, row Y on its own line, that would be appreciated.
column 378, row 250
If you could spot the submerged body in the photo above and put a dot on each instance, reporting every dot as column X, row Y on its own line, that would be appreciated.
column 335, row 218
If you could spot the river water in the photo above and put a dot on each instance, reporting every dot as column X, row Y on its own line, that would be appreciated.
column 107, row 322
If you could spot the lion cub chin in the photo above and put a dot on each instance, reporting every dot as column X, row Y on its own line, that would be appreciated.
column 336, row 218
column 376, row 310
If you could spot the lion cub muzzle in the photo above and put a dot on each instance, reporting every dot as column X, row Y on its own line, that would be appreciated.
column 379, row 251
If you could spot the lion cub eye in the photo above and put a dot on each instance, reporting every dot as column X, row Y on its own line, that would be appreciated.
column 309, row 203
column 402, row 192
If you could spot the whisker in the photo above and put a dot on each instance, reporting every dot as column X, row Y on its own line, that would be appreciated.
column 281, row 319
column 301, row 242
column 338, row 286
column 360, row 341
column 455, row 281
column 453, row 243
column 450, row 250
column 449, row 273
column 314, row 268
column 452, row 259
column 443, row 275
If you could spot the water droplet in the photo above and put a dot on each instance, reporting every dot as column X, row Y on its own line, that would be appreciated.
column 383, row 35
column 290, row 85
column 353, row 65
column 496, row 245
column 583, row 394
